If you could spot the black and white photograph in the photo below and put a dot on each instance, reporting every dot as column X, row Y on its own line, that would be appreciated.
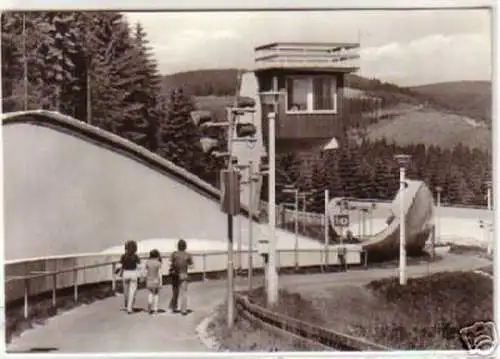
column 248, row 180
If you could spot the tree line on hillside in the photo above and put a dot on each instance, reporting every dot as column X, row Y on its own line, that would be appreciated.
column 368, row 170
column 474, row 102
column 205, row 82
column 97, row 68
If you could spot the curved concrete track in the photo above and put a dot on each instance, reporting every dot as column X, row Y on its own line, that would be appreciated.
column 102, row 327
column 73, row 188
column 419, row 217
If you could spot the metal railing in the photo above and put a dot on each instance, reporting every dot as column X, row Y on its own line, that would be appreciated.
column 318, row 218
column 25, row 279
column 310, row 334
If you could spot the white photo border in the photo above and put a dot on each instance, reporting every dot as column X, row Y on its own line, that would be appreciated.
column 221, row 5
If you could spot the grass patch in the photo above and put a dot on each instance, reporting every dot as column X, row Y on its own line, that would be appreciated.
column 466, row 249
column 422, row 258
column 290, row 304
column 248, row 336
column 42, row 309
column 427, row 313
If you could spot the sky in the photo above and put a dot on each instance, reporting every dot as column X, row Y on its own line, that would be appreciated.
column 411, row 47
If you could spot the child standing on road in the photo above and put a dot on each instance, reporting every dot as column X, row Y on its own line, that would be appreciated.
column 129, row 266
column 180, row 261
column 153, row 280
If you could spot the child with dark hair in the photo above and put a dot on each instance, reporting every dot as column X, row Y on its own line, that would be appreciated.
column 129, row 265
column 153, row 280
column 180, row 261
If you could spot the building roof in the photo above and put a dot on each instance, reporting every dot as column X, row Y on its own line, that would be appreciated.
column 331, row 45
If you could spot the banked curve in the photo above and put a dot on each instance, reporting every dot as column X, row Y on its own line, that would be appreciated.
column 115, row 143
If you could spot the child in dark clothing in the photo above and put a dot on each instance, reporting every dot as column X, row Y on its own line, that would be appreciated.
column 129, row 266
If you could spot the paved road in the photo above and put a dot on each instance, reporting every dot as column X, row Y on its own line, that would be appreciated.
column 102, row 327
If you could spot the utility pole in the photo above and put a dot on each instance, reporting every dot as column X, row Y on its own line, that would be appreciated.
column 402, row 161
column 327, row 229
column 250, row 225
column 89, row 93
column 230, row 253
column 25, row 65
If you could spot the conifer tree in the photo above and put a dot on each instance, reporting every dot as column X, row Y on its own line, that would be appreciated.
column 178, row 138
column 12, row 61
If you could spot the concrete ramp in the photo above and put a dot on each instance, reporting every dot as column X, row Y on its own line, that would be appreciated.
column 419, row 216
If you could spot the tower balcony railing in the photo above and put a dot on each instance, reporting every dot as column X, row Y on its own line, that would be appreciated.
column 342, row 57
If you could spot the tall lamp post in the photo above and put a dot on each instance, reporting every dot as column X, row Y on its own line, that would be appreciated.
column 330, row 146
column 370, row 223
column 488, row 194
column 303, row 196
column 252, row 177
column 490, row 225
column 295, row 192
column 402, row 161
column 439, row 189
column 241, row 168
column 271, row 98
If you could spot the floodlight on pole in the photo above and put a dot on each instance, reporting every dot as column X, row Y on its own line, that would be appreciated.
column 241, row 167
column 402, row 161
column 439, row 189
column 230, row 177
column 272, row 98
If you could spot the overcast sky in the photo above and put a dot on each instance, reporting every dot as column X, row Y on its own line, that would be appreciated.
column 405, row 47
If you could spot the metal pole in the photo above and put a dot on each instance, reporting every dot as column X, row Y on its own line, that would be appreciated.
column 363, row 219
column 89, row 94
column 370, row 223
column 296, row 224
column 438, row 222
column 25, row 65
column 488, row 196
column 433, row 243
column 240, row 238
column 402, row 232
column 272, row 275
column 359, row 223
column 490, row 239
column 326, row 224
column 250, row 225
column 230, row 254
column 303, row 217
column 230, row 299
column 26, row 295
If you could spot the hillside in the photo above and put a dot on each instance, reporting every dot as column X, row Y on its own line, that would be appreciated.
column 432, row 127
column 467, row 98
column 439, row 114
column 203, row 82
